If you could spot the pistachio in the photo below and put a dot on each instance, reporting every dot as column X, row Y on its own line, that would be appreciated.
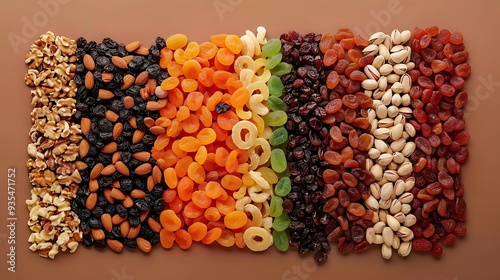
column 404, row 248
column 398, row 157
column 383, row 51
column 408, row 57
column 379, row 227
column 397, row 48
column 400, row 217
column 395, row 207
column 391, row 175
column 373, row 153
column 378, row 239
column 397, row 87
column 386, row 191
column 372, row 114
column 396, row 132
column 381, row 146
column 409, row 237
column 372, row 72
column 392, row 112
column 399, row 187
column 381, row 111
column 405, row 81
column 406, row 197
column 403, row 231
column 405, row 36
column 385, row 69
column 377, row 38
column 400, row 68
column 386, row 122
column 385, row 204
column 405, row 208
column 410, row 182
column 398, row 145
column 409, row 220
column 377, row 171
column 370, row 50
column 378, row 61
column 370, row 235
column 392, row 78
column 386, row 251
column 387, row 97
column 410, row 129
column 375, row 190
column 406, row 111
column 399, row 56
column 384, row 159
column 388, row 42
column 372, row 203
column 369, row 93
column 369, row 84
column 410, row 66
column 405, row 169
column 396, row 37
column 393, row 223
column 388, row 235
column 381, row 133
column 396, row 100
column 382, row 213
column 396, row 242
column 375, row 218
column 369, row 164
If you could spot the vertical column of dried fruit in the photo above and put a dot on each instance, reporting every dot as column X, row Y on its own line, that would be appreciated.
column 438, row 100
column 306, row 144
column 119, row 199
column 54, row 148
column 347, row 142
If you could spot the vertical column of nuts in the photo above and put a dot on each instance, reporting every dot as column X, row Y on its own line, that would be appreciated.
column 119, row 199
column 438, row 100
column 389, row 85
column 53, row 172
column 347, row 141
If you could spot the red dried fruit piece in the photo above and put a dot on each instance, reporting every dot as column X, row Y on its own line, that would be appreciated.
column 421, row 244
column 360, row 41
column 330, row 57
column 425, row 41
column 332, row 157
column 347, row 44
column 330, row 176
column 447, row 90
column 460, row 229
column 460, row 206
column 336, row 134
column 420, row 115
column 428, row 231
column 332, row 80
column 357, row 75
column 350, row 101
column 448, row 51
column 362, row 123
column 442, row 208
column 448, row 225
column 430, row 205
column 457, row 82
column 326, row 42
column 437, row 249
column 364, row 101
column 363, row 246
column 438, row 65
column 460, row 57
column 449, row 240
column 432, row 31
column 349, row 179
column 331, row 205
column 462, row 138
column 339, row 51
column 425, row 82
column 333, row 106
column 444, row 36
column 354, row 55
column 343, row 33
column 353, row 139
column 344, row 198
column 463, row 70
column 356, row 209
column 364, row 141
column 456, row 38
column 419, row 33
column 366, row 60
column 445, row 180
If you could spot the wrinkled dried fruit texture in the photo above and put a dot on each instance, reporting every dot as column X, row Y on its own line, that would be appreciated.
column 439, row 100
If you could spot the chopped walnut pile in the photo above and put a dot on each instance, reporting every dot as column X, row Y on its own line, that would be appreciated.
column 54, row 149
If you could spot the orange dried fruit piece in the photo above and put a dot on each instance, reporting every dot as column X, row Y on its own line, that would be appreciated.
column 183, row 239
column 226, row 239
column 220, row 78
column 176, row 150
column 185, row 188
column 213, row 189
column 201, row 155
column 174, row 69
column 240, row 98
column 201, row 199
column 192, row 211
column 181, row 167
column 227, row 120
column 205, row 116
column 175, row 97
column 194, row 100
column 231, row 182
column 169, row 220
column 176, row 41
column 191, row 124
column 208, row 50
column 233, row 43
column 169, row 83
column 218, row 40
column 225, row 206
column 212, row 235
column 189, row 144
column 197, row 231
column 166, row 56
column 196, row 172
column 235, row 219
column 189, row 85
column 205, row 77
column 161, row 142
column 167, row 238
column 191, row 69
column 206, row 136
column 191, row 51
column 170, row 177
column 213, row 100
column 224, row 56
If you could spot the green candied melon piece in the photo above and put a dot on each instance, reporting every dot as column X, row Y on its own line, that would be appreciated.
column 283, row 187
column 272, row 47
column 282, row 222
column 281, row 69
column 278, row 160
column 276, row 104
column 276, row 118
column 275, row 86
column 280, row 239
column 274, row 60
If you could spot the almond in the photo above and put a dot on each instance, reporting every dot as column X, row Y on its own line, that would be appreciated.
column 128, row 202
column 133, row 122
column 151, row 86
column 142, row 51
column 108, row 170
column 89, row 80
column 150, row 183
column 128, row 102
column 157, row 130
column 109, row 148
column 144, row 214
column 115, row 245
column 137, row 136
column 143, row 92
column 142, row 78
column 117, row 130
column 154, row 225
column 115, row 184
column 143, row 169
column 134, row 231
column 85, row 125
column 153, row 106
column 80, row 165
column 106, row 221
column 117, row 219
column 96, row 171
column 132, row 46
column 119, row 62
column 84, row 148
column 137, row 194
column 162, row 102
column 117, row 194
column 157, row 174
column 98, row 234
column 141, row 156
column 107, row 77
column 107, row 195
column 125, row 227
column 91, row 201
column 162, row 164
column 115, row 158
column 149, row 122
column 111, row 116
column 143, row 244
column 88, row 62
column 122, row 168
column 105, row 94
column 128, row 80
column 77, row 236
column 128, row 58
column 93, row 185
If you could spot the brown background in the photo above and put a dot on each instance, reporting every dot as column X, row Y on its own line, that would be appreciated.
column 475, row 257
